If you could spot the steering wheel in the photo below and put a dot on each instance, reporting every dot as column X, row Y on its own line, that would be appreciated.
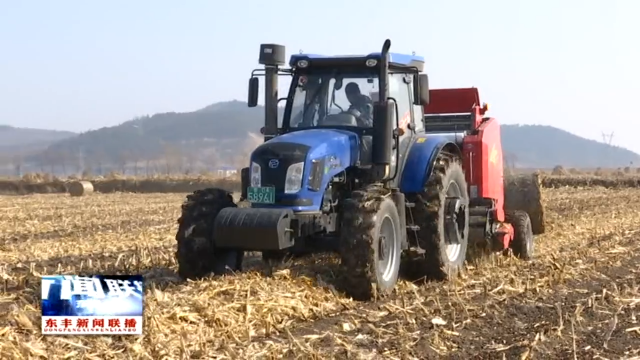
column 341, row 119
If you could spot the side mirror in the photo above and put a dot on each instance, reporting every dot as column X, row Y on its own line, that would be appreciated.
column 337, row 85
column 254, row 91
column 383, row 124
column 421, row 90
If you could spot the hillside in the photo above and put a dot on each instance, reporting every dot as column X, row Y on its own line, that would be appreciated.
column 15, row 139
column 204, row 138
column 217, row 135
column 538, row 146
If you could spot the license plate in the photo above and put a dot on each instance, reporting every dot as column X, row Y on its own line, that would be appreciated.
column 261, row 195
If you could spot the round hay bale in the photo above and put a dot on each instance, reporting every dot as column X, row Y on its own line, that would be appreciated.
column 524, row 193
column 559, row 170
column 80, row 188
column 31, row 178
column 114, row 175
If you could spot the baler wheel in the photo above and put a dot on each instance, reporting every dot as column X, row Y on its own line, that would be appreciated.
column 370, row 246
column 524, row 192
column 522, row 243
column 196, row 255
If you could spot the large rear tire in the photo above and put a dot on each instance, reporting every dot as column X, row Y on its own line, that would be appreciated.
column 370, row 246
column 442, row 213
column 196, row 255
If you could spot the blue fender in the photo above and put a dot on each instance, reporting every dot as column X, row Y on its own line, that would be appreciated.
column 420, row 160
column 337, row 148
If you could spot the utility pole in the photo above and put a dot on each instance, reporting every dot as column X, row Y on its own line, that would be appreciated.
column 608, row 139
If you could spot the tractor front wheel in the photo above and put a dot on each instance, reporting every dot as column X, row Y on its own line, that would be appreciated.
column 196, row 255
column 522, row 243
column 370, row 246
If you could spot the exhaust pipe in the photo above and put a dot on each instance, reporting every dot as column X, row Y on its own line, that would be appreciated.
column 382, row 122
column 271, row 56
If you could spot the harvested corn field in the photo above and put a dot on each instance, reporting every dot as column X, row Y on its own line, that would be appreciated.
column 579, row 298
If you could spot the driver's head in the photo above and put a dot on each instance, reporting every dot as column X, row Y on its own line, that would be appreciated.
column 352, row 90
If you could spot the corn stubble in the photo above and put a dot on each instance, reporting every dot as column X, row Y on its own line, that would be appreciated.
column 579, row 298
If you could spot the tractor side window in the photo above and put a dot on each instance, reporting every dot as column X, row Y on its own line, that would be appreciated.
column 283, row 88
column 418, row 111
column 400, row 91
column 297, row 106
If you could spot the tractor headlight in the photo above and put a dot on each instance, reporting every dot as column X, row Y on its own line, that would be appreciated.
column 256, row 179
column 293, row 181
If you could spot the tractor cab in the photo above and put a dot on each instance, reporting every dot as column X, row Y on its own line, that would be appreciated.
column 338, row 91
column 341, row 112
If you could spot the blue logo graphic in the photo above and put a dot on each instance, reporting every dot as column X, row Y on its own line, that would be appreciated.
column 97, row 295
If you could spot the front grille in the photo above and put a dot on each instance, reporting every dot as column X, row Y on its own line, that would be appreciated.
column 286, row 154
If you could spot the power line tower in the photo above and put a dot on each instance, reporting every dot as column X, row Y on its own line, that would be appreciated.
column 608, row 139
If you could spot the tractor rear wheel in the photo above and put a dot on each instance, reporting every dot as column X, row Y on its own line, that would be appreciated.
column 370, row 246
column 522, row 243
column 196, row 255
column 442, row 213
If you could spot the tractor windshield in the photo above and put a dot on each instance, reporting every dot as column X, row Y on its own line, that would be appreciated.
column 333, row 99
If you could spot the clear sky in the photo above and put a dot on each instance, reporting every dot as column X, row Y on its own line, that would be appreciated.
column 79, row 65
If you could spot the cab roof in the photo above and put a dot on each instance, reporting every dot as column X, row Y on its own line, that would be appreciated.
column 395, row 60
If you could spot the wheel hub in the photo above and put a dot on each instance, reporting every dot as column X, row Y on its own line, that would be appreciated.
column 383, row 248
column 387, row 249
column 455, row 220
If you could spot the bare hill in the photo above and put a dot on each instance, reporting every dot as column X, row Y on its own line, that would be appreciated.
column 14, row 139
column 539, row 146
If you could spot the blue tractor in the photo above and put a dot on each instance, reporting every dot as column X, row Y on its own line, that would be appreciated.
column 349, row 169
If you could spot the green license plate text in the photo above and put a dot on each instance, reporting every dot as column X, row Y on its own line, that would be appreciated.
column 261, row 195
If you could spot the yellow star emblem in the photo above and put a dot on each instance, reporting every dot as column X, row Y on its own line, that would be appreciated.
column 493, row 155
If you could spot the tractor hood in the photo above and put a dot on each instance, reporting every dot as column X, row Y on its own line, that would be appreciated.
column 314, row 144
column 324, row 152
column 324, row 142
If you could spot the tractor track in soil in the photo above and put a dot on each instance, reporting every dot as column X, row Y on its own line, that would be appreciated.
column 579, row 297
column 518, row 319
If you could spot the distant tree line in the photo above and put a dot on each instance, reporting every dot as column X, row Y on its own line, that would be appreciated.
column 172, row 159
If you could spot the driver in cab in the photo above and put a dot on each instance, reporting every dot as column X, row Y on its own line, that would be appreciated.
column 361, row 105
